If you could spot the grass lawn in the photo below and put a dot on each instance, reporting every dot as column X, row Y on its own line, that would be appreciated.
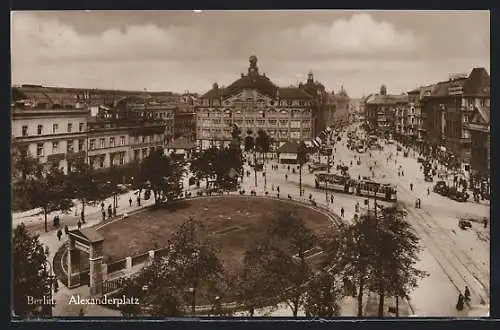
column 232, row 224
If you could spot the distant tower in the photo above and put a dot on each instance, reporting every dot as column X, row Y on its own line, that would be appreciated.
column 383, row 90
column 253, row 70
column 310, row 78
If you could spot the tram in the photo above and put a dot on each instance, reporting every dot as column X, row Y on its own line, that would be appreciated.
column 384, row 191
column 335, row 182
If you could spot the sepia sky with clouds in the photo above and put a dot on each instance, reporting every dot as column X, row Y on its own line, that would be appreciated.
column 182, row 50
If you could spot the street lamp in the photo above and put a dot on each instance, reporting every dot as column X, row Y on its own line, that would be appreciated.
column 115, row 202
column 195, row 255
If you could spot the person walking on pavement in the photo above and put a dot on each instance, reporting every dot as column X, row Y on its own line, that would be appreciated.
column 467, row 294
column 110, row 211
column 59, row 234
column 286, row 177
column 103, row 215
column 342, row 211
column 460, row 302
column 130, row 202
column 66, row 229
column 102, row 206
column 428, row 191
column 82, row 215
column 411, row 186
column 79, row 224
column 138, row 200
column 310, row 196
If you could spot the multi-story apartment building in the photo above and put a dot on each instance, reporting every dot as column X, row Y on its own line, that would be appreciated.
column 417, row 117
column 252, row 103
column 448, row 108
column 386, row 113
column 115, row 140
column 53, row 133
column 185, row 125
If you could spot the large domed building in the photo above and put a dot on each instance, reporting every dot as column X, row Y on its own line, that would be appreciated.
column 253, row 102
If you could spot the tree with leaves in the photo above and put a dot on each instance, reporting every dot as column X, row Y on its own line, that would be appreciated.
column 323, row 295
column 290, row 234
column 202, row 164
column 396, row 254
column 163, row 174
column 354, row 254
column 49, row 191
column 31, row 273
column 263, row 145
column 84, row 185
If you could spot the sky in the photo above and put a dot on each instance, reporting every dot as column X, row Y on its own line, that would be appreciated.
column 186, row 50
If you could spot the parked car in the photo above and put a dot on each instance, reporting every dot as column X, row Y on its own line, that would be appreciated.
column 458, row 195
column 441, row 188
column 464, row 224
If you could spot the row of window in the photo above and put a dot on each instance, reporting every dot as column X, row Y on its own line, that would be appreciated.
column 55, row 129
column 70, row 147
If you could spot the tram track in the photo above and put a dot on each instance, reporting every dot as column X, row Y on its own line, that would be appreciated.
column 450, row 255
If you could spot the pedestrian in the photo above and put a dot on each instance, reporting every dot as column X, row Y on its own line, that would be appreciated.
column 110, row 211
column 460, row 302
column 103, row 215
column 485, row 222
column 82, row 216
column 411, row 186
column 130, row 202
column 310, row 196
column 79, row 224
column 342, row 211
column 331, row 198
column 102, row 206
column 286, row 177
column 402, row 173
column 66, row 229
column 59, row 234
column 278, row 189
column 81, row 312
column 138, row 200
column 467, row 294
column 272, row 187
column 428, row 191
column 288, row 168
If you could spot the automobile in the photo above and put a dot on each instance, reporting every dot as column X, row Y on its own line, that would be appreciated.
column 441, row 188
column 458, row 195
column 464, row 224
column 318, row 167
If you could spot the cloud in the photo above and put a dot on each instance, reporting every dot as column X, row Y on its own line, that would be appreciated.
column 360, row 35
column 36, row 39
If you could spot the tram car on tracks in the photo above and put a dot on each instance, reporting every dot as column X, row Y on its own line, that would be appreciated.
column 383, row 191
column 336, row 182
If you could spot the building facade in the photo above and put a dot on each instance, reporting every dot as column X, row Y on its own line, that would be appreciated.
column 448, row 108
column 185, row 125
column 252, row 103
column 117, row 139
column 55, row 135
column 387, row 114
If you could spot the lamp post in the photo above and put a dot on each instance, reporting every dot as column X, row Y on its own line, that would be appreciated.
column 195, row 255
